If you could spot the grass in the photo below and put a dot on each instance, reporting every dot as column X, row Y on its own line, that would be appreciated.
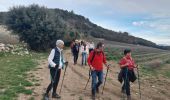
column 167, row 74
column 13, row 74
column 148, row 71
column 113, row 54
column 32, row 98
column 80, row 98
column 151, row 61
column 155, row 68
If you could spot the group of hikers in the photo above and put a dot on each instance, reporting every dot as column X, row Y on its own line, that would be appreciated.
column 96, row 59
column 83, row 48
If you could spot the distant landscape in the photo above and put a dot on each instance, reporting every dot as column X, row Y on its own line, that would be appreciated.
column 27, row 34
column 71, row 23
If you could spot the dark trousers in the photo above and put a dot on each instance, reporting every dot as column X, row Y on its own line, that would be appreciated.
column 126, row 79
column 75, row 58
column 54, row 80
column 95, row 84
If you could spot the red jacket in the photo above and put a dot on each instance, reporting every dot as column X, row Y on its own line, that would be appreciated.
column 131, row 63
column 98, row 60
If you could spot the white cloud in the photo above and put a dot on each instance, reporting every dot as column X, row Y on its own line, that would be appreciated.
column 140, row 23
column 161, row 25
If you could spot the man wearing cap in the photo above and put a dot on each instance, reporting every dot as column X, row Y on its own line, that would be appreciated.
column 56, row 63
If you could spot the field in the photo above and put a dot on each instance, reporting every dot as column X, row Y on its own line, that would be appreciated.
column 26, row 77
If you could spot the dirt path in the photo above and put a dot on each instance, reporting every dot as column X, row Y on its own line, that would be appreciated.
column 76, row 78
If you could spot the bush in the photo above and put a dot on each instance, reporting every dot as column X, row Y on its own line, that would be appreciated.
column 35, row 25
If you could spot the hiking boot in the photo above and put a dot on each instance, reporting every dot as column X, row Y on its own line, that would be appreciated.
column 93, row 94
column 97, row 90
column 93, row 97
column 123, row 91
column 55, row 95
column 46, row 96
column 129, row 97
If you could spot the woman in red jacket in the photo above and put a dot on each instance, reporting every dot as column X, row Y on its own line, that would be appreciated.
column 127, row 66
column 96, row 60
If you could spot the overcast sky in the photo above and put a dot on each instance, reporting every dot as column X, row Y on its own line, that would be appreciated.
column 148, row 19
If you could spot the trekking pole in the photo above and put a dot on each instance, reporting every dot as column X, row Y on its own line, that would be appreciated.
column 88, row 79
column 138, row 81
column 63, row 78
column 105, row 78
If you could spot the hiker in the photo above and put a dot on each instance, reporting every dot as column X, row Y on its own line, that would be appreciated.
column 96, row 60
column 71, row 45
column 127, row 74
column 56, row 63
column 76, row 51
column 84, row 52
column 91, row 46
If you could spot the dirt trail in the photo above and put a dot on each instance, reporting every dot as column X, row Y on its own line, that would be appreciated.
column 76, row 78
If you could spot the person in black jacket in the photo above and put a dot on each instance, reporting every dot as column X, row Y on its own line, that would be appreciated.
column 56, row 63
column 76, row 51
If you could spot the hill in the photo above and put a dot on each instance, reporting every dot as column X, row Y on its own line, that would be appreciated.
column 83, row 28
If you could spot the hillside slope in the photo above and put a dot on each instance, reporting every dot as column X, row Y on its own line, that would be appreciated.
column 82, row 26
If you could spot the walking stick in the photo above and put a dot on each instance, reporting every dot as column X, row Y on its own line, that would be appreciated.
column 105, row 78
column 138, row 81
column 88, row 79
column 63, row 78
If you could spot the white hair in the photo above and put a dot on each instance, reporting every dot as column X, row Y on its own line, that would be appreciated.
column 58, row 42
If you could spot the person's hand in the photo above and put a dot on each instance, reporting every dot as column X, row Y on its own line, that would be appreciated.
column 135, row 66
column 56, row 66
column 66, row 63
column 91, row 68
column 107, row 65
column 127, row 64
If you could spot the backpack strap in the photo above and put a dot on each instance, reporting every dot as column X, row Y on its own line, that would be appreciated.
column 94, row 53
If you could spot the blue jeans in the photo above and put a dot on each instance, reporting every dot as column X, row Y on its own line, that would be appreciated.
column 84, row 58
column 95, row 84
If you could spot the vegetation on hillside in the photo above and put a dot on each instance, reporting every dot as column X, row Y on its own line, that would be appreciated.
column 39, row 25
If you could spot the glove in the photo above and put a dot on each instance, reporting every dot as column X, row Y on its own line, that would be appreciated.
column 66, row 63
column 108, row 65
column 56, row 66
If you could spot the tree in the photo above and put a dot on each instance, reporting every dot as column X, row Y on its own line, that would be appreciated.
column 35, row 25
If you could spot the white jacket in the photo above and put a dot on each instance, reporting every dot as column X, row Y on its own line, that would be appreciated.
column 82, row 49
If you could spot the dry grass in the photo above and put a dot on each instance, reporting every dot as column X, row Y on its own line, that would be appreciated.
column 7, row 37
column 155, row 63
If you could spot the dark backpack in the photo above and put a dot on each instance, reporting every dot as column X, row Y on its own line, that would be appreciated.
column 131, row 75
